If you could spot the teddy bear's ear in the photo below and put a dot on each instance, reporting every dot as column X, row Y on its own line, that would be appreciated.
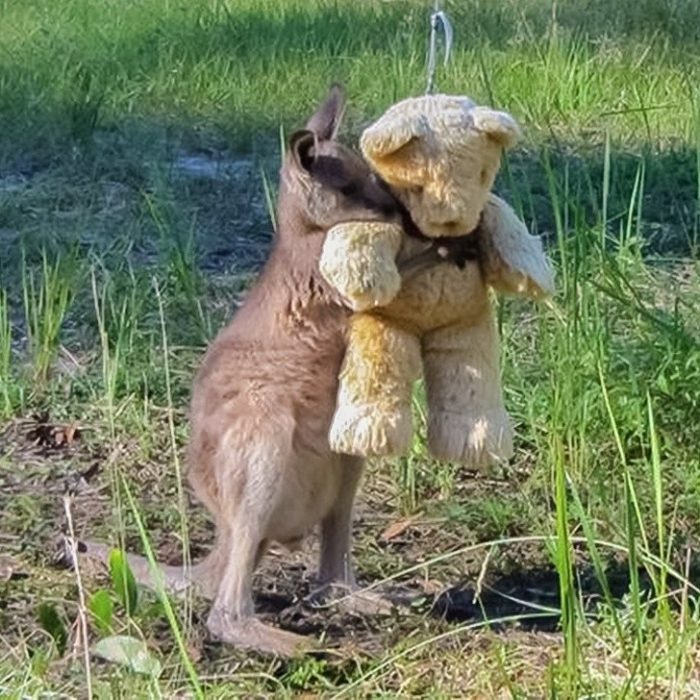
column 499, row 126
column 388, row 137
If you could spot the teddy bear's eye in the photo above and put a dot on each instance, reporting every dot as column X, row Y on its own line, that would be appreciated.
column 417, row 190
column 484, row 176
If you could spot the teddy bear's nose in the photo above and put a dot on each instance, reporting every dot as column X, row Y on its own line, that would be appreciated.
column 451, row 226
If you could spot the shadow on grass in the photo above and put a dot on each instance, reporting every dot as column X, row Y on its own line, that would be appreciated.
column 143, row 185
column 522, row 592
column 652, row 193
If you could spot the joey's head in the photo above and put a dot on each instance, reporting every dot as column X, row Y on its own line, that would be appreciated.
column 440, row 154
column 326, row 182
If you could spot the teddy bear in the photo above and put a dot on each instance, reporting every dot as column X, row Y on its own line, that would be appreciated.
column 420, row 290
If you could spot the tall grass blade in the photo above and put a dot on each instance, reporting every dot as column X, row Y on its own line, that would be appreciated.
column 598, row 566
column 6, row 380
column 633, row 565
column 606, row 191
column 270, row 198
column 664, row 611
column 46, row 303
column 564, row 566
column 558, row 219
column 162, row 595
column 181, row 500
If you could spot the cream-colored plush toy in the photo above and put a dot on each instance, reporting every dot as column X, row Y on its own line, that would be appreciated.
column 439, row 154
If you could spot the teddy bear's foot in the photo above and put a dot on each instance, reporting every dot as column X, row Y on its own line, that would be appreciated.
column 474, row 440
column 368, row 430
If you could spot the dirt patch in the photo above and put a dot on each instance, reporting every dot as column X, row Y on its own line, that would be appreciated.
column 518, row 590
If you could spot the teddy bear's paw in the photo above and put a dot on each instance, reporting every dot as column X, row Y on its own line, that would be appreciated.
column 373, row 291
column 359, row 262
column 477, row 441
column 371, row 431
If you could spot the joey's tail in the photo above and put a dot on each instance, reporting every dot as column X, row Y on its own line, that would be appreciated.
column 176, row 580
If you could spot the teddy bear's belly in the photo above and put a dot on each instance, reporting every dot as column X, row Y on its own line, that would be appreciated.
column 439, row 296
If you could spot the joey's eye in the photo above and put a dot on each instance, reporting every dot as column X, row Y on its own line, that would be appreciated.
column 349, row 190
column 329, row 172
column 417, row 190
column 484, row 176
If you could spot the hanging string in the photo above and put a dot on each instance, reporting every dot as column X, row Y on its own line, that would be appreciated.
column 439, row 21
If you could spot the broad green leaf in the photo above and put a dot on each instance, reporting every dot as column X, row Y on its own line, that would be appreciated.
column 123, row 580
column 101, row 607
column 129, row 652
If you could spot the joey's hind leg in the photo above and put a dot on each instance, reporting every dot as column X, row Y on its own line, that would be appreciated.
column 336, row 576
column 335, row 563
column 206, row 574
column 232, row 616
column 248, row 498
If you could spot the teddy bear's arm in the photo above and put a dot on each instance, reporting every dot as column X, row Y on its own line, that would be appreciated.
column 514, row 261
column 359, row 261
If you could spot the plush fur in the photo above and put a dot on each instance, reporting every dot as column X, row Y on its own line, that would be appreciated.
column 439, row 154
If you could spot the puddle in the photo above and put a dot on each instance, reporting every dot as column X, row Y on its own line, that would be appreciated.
column 212, row 167
column 10, row 184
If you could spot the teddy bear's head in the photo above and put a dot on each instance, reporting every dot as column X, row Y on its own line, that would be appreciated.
column 440, row 154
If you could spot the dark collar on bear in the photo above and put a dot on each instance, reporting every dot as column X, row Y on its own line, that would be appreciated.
column 456, row 249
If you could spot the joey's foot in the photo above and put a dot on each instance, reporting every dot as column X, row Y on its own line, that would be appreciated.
column 251, row 633
column 350, row 599
column 476, row 440
column 369, row 430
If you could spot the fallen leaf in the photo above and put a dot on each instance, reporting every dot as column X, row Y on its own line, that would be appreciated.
column 9, row 568
column 129, row 652
column 194, row 650
column 398, row 527
column 45, row 434
column 65, row 435
column 432, row 586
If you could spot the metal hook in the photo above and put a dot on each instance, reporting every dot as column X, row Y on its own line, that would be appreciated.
column 438, row 20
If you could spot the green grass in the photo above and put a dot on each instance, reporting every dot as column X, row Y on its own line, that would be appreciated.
column 118, row 264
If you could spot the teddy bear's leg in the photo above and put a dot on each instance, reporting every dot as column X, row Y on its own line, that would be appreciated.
column 373, row 414
column 467, row 421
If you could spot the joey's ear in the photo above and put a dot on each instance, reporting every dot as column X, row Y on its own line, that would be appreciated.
column 302, row 146
column 499, row 126
column 325, row 122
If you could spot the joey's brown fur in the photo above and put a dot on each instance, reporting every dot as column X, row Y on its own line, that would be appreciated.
column 263, row 400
